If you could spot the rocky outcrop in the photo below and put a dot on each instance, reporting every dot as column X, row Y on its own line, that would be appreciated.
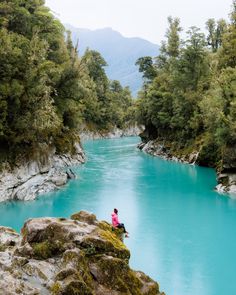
column 227, row 183
column 86, row 134
column 68, row 257
column 45, row 172
column 227, row 175
column 155, row 148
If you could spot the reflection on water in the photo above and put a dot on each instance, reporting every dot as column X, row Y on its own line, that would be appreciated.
column 182, row 233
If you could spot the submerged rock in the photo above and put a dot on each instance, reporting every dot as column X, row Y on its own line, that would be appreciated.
column 69, row 256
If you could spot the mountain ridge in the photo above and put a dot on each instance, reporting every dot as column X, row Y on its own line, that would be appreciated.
column 120, row 52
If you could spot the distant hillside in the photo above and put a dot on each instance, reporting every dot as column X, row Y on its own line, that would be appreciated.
column 120, row 53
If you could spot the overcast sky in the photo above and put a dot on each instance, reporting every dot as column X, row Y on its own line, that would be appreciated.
column 138, row 18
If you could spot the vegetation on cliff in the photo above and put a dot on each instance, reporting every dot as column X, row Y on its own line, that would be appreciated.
column 189, row 92
column 46, row 90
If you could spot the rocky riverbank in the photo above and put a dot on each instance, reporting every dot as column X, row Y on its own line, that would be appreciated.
column 226, row 176
column 68, row 257
column 87, row 134
column 155, row 148
column 45, row 172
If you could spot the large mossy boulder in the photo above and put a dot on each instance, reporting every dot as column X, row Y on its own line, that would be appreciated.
column 61, row 256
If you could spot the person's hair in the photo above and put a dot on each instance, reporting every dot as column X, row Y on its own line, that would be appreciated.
column 115, row 210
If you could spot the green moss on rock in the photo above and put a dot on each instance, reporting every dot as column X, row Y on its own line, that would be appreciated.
column 46, row 249
column 105, row 225
column 2, row 248
column 42, row 250
column 114, row 238
column 64, row 273
column 109, row 228
column 105, row 242
column 115, row 274
column 56, row 289
column 78, row 261
column 84, row 216
column 77, row 287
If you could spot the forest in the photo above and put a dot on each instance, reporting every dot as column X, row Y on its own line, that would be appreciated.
column 188, row 97
column 46, row 90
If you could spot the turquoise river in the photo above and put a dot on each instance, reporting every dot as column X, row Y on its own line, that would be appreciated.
column 182, row 233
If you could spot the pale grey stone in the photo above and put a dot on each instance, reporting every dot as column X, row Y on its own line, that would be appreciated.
column 31, row 178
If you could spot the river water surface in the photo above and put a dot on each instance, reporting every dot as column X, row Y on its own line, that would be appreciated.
column 182, row 233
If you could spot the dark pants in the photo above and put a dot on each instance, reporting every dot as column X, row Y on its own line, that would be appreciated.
column 121, row 225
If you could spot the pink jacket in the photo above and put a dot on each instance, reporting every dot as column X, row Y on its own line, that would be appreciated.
column 115, row 220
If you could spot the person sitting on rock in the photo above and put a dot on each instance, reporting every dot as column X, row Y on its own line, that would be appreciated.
column 116, row 223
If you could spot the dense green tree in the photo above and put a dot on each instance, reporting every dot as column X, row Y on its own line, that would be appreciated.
column 146, row 66
column 216, row 31
column 173, row 37
column 120, row 103
column 46, row 90
column 192, row 64
column 219, row 108
column 170, row 104
column 108, row 104
column 95, row 64
column 228, row 51
column 219, row 103
column 191, row 101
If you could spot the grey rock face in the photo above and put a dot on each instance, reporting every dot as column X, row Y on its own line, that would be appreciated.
column 135, row 130
column 45, row 173
column 65, row 256
column 227, row 177
column 227, row 183
column 157, row 149
column 8, row 237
